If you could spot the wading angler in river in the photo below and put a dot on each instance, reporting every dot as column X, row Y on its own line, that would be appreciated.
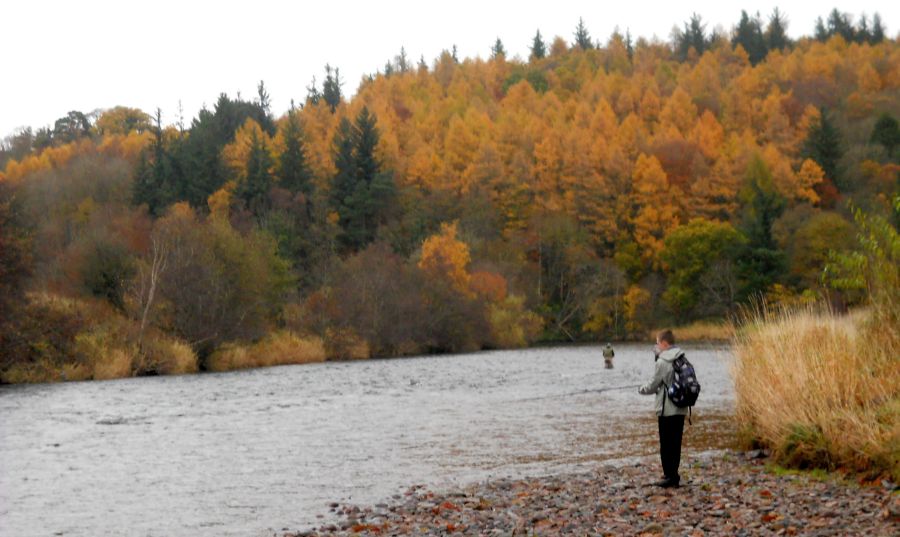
column 608, row 355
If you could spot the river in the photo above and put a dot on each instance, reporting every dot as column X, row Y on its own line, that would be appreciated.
column 254, row 452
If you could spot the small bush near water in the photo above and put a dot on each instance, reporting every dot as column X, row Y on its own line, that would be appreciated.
column 280, row 348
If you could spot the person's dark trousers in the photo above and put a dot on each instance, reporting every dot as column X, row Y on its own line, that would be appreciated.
column 671, row 429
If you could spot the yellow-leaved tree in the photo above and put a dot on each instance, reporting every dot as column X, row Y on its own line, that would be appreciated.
column 446, row 257
column 237, row 152
column 657, row 214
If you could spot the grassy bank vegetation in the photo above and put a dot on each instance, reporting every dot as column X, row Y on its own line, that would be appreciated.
column 280, row 348
column 86, row 339
column 821, row 389
column 702, row 331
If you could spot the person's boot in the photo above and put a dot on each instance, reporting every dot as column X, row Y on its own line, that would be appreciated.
column 671, row 483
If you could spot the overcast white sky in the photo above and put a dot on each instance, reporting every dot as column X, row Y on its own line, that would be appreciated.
column 62, row 55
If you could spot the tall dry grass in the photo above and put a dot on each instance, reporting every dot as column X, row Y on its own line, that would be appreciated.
column 820, row 389
column 165, row 355
column 279, row 348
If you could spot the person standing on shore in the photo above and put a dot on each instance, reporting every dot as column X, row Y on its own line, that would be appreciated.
column 670, row 417
column 608, row 354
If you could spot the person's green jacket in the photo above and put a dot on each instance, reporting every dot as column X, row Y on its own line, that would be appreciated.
column 662, row 377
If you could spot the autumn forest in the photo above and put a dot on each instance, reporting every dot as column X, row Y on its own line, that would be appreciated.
column 598, row 189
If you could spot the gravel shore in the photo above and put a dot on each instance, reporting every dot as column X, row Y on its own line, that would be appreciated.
column 723, row 493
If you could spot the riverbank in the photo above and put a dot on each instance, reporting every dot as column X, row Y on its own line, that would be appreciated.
column 724, row 493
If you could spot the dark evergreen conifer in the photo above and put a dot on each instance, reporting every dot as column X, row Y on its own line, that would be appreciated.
column 538, row 48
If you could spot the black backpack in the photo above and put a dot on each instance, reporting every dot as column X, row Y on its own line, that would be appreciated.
column 684, row 389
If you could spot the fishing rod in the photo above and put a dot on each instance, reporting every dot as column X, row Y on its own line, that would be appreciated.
column 595, row 390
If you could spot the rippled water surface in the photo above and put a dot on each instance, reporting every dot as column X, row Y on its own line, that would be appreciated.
column 253, row 452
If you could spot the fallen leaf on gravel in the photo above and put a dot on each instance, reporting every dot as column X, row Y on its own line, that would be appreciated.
column 365, row 527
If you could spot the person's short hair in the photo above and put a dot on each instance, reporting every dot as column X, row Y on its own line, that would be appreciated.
column 667, row 336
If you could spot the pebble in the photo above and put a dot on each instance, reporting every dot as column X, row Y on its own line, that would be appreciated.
column 724, row 494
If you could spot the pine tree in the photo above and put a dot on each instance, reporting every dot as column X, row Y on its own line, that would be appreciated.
column 312, row 93
column 761, row 263
column 877, row 29
column 821, row 34
column 361, row 192
column 152, row 185
column 402, row 61
column 863, row 34
column 497, row 50
column 840, row 24
column 344, row 180
column 538, row 48
column 823, row 145
column 293, row 171
column 749, row 35
column 694, row 36
column 197, row 161
column 366, row 139
column 331, row 88
column 776, row 32
column 582, row 38
column 144, row 189
column 886, row 133
column 264, row 101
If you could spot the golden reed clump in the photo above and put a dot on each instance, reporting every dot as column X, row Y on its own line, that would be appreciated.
column 279, row 348
column 820, row 389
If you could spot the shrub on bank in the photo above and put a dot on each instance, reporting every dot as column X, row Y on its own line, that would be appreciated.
column 59, row 338
column 345, row 344
column 820, row 389
column 279, row 348
column 165, row 355
column 513, row 325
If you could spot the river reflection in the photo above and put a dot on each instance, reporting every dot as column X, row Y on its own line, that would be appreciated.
column 252, row 452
